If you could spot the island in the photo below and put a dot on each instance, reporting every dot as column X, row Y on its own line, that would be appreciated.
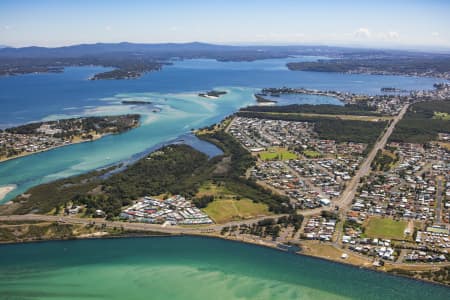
column 264, row 101
column 128, row 70
column 212, row 94
column 135, row 102
column 42, row 136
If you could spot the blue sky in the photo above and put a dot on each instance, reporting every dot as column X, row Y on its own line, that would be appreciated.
column 394, row 23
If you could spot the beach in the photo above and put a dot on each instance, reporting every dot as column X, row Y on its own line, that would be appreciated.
column 4, row 190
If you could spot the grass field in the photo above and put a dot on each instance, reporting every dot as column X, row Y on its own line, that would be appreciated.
column 385, row 228
column 277, row 154
column 226, row 207
column 441, row 116
column 311, row 154
column 222, row 211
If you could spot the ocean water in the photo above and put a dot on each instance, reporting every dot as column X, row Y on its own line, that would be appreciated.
column 173, row 92
column 188, row 268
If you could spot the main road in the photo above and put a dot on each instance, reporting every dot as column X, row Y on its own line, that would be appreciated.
column 348, row 194
column 188, row 229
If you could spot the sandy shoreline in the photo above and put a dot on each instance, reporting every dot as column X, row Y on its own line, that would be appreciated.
column 4, row 190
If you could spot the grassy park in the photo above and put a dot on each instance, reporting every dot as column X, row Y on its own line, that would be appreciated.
column 277, row 154
column 226, row 206
column 226, row 210
column 385, row 228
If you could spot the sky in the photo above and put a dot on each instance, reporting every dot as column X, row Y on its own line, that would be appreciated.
column 368, row 23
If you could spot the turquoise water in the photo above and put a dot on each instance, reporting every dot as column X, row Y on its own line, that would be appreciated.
column 188, row 268
column 173, row 91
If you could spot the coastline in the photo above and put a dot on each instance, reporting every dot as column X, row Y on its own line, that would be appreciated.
column 6, row 189
column 50, row 148
column 229, row 239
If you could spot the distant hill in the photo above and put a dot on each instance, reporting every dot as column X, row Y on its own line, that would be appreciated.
column 99, row 48
column 131, row 60
column 164, row 50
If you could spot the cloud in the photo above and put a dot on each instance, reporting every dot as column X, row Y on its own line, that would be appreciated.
column 393, row 35
column 173, row 28
column 108, row 28
column 362, row 33
column 435, row 34
column 7, row 27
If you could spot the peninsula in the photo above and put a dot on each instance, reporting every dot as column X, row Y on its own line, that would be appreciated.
column 42, row 136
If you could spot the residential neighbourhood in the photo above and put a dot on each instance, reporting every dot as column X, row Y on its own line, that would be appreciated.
column 412, row 197
column 294, row 162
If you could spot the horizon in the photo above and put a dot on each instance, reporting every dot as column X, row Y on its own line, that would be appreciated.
column 348, row 23
column 423, row 49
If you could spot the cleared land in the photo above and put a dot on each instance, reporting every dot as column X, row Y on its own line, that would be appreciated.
column 226, row 207
column 385, row 228
column 338, row 117
column 349, row 117
column 277, row 153
column 222, row 211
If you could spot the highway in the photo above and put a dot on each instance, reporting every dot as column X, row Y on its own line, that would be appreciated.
column 348, row 194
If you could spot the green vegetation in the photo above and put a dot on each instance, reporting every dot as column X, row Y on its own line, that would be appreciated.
column 77, row 126
column 391, row 65
column 420, row 125
column 384, row 160
column 175, row 169
column 361, row 109
column 385, row 228
column 232, row 173
column 330, row 129
column 203, row 201
column 311, row 153
column 268, row 227
column 441, row 116
column 213, row 93
column 226, row 210
column 43, row 230
column 277, row 153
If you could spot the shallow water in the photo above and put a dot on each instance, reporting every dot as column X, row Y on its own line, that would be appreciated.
column 188, row 268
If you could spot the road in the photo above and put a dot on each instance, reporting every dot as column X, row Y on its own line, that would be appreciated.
column 134, row 226
column 439, row 192
column 348, row 194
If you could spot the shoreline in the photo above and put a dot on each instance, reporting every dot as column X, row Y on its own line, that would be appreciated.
column 2, row 160
column 242, row 241
column 6, row 189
